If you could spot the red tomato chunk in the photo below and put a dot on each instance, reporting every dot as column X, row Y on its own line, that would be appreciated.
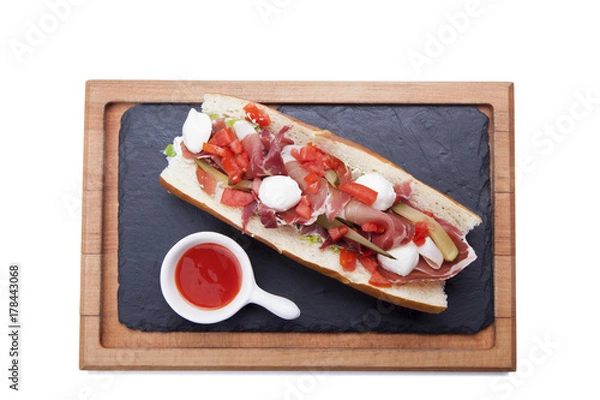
column 207, row 181
column 337, row 232
column 256, row 115
column 303, row 208
column 236, row 198
column 347, row 259
column 222, row 138
column 360, row 192
column 421, row 233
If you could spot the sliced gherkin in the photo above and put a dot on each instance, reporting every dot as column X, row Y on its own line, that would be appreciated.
column 437, row 233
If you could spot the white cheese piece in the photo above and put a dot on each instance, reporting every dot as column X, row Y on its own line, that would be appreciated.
column 431, row 253
column 407, row 258
column 196, row 130
column 243, row 128
column 279, row 192
column 386, row 196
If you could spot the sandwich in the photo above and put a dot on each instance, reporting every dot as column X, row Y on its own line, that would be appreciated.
column 322, row 200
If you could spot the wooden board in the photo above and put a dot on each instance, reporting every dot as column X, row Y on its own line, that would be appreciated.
column 107, row 344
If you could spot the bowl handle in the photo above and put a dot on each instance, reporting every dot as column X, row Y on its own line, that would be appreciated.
column 280, row 306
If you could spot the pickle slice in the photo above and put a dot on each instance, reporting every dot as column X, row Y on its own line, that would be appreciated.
column 352, row 235
column 221, row 177
column 332, row 177
column 437, row 233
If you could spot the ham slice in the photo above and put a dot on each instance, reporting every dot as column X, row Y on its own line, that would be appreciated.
column 404, row 190
column 255, row 149
column 268, row 216
column 265, row 153
column 397, row 229
column 247, row 213
column 273, row 162
column 337, row 202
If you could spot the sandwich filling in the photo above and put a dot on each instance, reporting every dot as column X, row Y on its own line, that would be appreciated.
column 372, row 223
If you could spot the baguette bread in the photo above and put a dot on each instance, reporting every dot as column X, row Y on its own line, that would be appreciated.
column 179, row 178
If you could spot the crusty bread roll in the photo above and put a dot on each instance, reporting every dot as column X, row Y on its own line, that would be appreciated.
column 180, row 179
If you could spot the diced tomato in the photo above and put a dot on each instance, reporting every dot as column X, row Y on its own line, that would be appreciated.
column 360, row 192
column 216, row 150
column 206, row 180
column 379, row 280
column 314, row 160
column 232, row 169
column 311, row 178
column 313, row 188
column 236, row 198
column 337, row 232
column 242, row 160
column 222, row 138
column 368, row 262
column 347, row 259
column 314, row 167
column 372, row 227
column 421, row 233
column 256, row 115
column 308, row 153
column 303, row 208
column 314, row 183
column 236, row 146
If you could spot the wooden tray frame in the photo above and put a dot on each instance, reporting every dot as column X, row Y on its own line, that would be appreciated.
column 105, row 344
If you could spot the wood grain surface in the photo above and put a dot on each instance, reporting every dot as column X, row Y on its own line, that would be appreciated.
column 105, row 344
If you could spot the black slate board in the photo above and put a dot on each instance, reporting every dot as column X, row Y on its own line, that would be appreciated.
column 443, row 146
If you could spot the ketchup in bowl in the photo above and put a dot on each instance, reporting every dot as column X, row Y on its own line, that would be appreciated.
column 208, row 275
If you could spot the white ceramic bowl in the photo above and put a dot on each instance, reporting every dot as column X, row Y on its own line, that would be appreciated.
column 249, row 291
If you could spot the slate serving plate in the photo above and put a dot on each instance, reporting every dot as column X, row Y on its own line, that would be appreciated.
column 443, row 146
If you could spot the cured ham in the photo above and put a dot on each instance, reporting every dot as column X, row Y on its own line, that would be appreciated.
column 404, row 190
column 255, row 149
column 247, row 213
column 265, row 154
column 273, row 161
column 268, row 216
column 397, row 230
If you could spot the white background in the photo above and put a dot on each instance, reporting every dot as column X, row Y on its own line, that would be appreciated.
column 549, row 50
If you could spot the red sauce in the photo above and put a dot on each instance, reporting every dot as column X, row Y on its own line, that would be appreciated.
column 208, row 275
